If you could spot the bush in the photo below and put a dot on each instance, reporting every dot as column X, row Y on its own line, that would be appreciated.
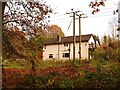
column 99, row 54
column 104, row 77
column 118, row 54
column 102, row 54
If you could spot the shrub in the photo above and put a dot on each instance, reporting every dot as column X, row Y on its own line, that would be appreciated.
column 99, row 54
column 102, row 54
column 118, row 54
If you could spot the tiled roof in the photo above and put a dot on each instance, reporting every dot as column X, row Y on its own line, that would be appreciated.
column 69, row 39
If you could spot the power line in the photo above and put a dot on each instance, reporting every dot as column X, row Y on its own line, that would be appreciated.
column 63, row 14
column 59, row 18
column 74, row 12
column 61, row 21
column 91, row 16
column 101, row 15
column 69, row 25
column 105, row 12
column 66, row 20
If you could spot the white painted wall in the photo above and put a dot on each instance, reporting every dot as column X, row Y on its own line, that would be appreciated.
column 57, row 50
column 50, row 49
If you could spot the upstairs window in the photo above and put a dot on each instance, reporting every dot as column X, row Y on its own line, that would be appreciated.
column 65, row 55
column 65, row 44
column 50, row 55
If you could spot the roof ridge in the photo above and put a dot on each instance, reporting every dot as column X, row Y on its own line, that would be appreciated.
column 68, row 39
column 78, row 35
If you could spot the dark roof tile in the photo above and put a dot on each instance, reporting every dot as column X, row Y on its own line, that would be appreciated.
column 69, row 39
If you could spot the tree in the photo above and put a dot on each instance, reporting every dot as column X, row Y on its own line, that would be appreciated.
column 54, row 31
column 15, row 46
column 27, row 16
column 50, row 31
column 96, row 4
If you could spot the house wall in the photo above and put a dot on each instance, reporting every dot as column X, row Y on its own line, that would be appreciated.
column 50, row 49
column 58, row 50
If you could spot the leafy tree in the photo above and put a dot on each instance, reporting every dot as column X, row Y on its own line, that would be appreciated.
column 27, row 16
column 96, row 4
column 16, row 45
column 54, row 31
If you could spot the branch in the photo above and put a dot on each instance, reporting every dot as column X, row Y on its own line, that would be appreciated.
column 3, row 6
column 10, row 21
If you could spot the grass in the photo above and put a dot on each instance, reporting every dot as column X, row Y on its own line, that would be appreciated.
column 103, row 63
column 58, row 63
column 39, row 64
column 16, row 64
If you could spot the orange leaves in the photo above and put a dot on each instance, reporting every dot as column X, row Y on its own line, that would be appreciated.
column 60, row 70
column 88, row 68
column 59, row 73
column 55, row 30
column 104, row 45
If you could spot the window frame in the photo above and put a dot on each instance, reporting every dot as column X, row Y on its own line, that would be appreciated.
column 50, row 55
column 66, row 44
column 65, row 55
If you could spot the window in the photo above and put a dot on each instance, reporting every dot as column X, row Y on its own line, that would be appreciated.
column 65, row 44
column 50, row 55
column 65, row 55
column 91, row 45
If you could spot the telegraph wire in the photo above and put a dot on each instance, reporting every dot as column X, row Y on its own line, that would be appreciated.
column 89, row 16
column 63, row 20
column 101, row 15
column 56, row 16
column 59, row 15
column 62, row 17
column 69, row 25
column 59, row 18
column 105, row 12
column 60, row 21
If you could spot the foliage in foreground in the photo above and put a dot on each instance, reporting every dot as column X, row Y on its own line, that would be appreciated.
column 102, row 76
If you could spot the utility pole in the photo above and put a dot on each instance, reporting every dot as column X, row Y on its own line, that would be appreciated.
column 79, row 39
column 80, row 16
column 1, row 28
column 74, row 38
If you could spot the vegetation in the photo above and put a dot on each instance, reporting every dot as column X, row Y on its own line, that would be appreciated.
column 59, row 74
column 25, row 28
column 21, row 46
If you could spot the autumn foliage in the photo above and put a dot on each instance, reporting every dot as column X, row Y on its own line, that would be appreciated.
column 83, row 76
column 13, row 77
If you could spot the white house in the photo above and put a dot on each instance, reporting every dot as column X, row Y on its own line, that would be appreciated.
column 62, row 47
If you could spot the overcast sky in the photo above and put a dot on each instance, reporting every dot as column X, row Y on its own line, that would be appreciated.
column 95, row 24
